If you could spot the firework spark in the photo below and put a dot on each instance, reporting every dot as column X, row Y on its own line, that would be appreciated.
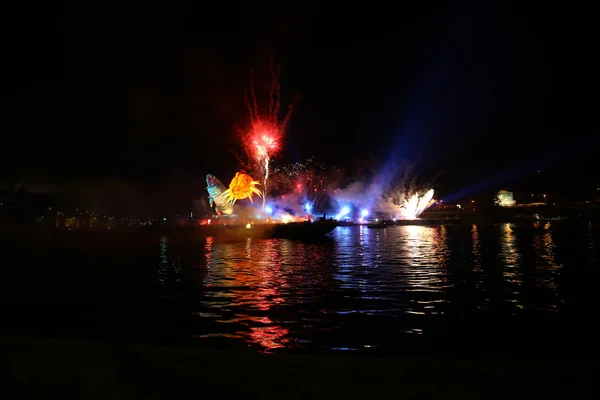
column 308, row 181
column 263, row 140
column 416, row 204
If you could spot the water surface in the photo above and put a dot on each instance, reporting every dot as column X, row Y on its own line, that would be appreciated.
column 404, row 289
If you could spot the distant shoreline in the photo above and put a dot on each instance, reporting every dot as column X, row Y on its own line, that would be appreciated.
column 572, row 213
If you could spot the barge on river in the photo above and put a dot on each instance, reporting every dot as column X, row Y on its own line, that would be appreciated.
column 292, row 230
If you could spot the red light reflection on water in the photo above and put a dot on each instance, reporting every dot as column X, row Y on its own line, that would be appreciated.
column 208, row 247
column 253, row 279
column 269, row 336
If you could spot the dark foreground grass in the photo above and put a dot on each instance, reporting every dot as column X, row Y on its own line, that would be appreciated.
column 66, row 369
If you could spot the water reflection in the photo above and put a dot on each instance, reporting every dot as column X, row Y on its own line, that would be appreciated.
column 249, row 276
column 513, row 277
column 400, row 270
column 510, row 253
column 365, row 286
column 163, row 264
column 346, row 254
column 363, row 237
column 441, row 248
column 169, row 266
column 545, row 262
column 208, row 247
column 476, row 249
column 419, row 241
column 476, row 257
column 427, row 256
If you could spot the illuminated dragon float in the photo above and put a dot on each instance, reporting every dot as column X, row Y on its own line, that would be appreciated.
column 242, row 186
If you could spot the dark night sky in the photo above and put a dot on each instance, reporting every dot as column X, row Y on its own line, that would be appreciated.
column 143, row 100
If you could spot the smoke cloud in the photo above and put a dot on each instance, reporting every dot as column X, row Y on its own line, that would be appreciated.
column 393, row 193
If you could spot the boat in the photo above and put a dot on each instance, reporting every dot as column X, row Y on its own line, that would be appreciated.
column 377, row 225
column 535, row 227
column 302, row 230
column 540, row 218
column 346, row 222
column 427, row 222
column 292, row 230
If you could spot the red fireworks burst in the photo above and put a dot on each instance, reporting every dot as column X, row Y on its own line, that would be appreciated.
column 263, row 140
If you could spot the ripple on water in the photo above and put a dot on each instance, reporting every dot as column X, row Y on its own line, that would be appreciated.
column 363, row 286
column 360, row 288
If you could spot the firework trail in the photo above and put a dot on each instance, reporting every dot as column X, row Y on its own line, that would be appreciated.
column 263, row 140
column 416, row 204
column 404, row 201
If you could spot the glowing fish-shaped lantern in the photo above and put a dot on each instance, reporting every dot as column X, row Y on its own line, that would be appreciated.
column 217, row 197
column 242, row 186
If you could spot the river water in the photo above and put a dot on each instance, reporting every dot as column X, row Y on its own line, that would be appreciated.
column 399, row 290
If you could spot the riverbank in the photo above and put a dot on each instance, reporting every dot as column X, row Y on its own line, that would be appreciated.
column 36, row 368
column 573, row 212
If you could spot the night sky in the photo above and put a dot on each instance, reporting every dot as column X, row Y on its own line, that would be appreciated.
column 140, row 102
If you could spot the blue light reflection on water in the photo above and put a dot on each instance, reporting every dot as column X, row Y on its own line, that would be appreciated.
column 368, row 287
column 359, row 289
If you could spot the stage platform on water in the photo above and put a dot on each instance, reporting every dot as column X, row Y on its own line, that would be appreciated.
column 292, row 230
